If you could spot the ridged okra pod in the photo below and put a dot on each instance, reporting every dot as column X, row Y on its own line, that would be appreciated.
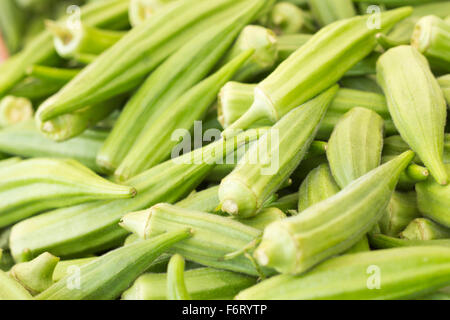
column 402, row 209
column 434, row 200
column 214, row 236
column 202, row 284
column 381, row 241
column 416, row 104
column 289, row 43
column 329, row 11
column 424, row 229
column 92, row 227
column 330, row 227
column 36, row 275
column 10, row 289
column 52, row 74
column 14, row 110
column 444, row 82
column 184, row 69
column 176, row 286
column 156, row 143
column 25, row 140
column 109, row 275
column 338, row 46
column 264, row 218
column 141, row 10
column 117, row 70
column 39, row 184
column 65, row 267
column 287, row 18
column 403, row 273
column 268, row 163
column 102, row 13
column 431, row 37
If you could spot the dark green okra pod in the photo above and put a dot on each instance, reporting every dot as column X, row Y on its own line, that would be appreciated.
column 109, row 275
column 271, row 161
column 416, row 104
column 424, row 229
column 330, row 227
column 176, row 286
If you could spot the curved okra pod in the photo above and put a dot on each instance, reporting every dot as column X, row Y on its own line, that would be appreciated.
column 36, row 275
column 92, row 227
column 120, row 69
column 424, row 229
column 214, row 236
column 109, row 275
column 156, row 143
column 416, row 104
column 330, row 227
column 402, row 273
column 444, row 82
column 268, row 163
column 287, row 18
column 176, row 286
column 202, row 283
column 14, row 110
column 431, row 37
column 329, row 11
column 264, row 42
column 381, row 241
column 434, row 200
column 402, row 209
column 338, row 46
column 39, row 184
column 141, row 10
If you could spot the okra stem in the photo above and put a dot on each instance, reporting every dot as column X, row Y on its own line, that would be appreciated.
column 176, row 286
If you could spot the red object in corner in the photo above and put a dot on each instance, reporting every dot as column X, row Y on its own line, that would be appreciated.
column 3, row 50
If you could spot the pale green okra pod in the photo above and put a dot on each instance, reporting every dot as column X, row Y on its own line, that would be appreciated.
column 329, row 11
column 176, row 286
column 424, row 229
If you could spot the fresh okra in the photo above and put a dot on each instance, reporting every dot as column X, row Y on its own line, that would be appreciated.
column 52, row 74
column 120, row 70
column 297, row 243
column 39, row 184
column 289, row 43
column 286, row 203
column 10, row 289
column 381, row 241
column 431, row 37
column 109, row 275
column 141, row 10
column 405, row 273
column 416, row 104
column 338, row 46
column 14, row 110
column 66, row 267
column 92, row 227
column 268, row 163
column 329, row 11
column 155, row 144
column 287, row 18
column 424, row 229
column 264, row 218
column 176, row 286
column 363, row 83
column 202, row 284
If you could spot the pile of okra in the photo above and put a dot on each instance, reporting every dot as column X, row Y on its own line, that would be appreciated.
column 226, row 149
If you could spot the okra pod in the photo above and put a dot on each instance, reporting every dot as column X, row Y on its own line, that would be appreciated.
column 34, row 89
column 66, row 267
column 329, row 11
column 142, row 10
column 434, row 200
column 206, row 200
column 109, row 275
column 35, row 185
column 424, row 229
column 176, row 286
column 431, row 37
column 202, row 284
column 155, row 144
column 287, row 18
column 330, row 227
column 286, row 203
column 271, row 161
column 402, row 273
column 10, row 161
column 361, row 246
column 264, row 218
column 381, row 241
column 119, row 70
column 289, row 43
column 14, row 110
column 416, row 104
column 363, row 83
column 444, row 82
column 214, row 236
column 53, row 75
column 92, row 227
column 36, row 275
column 10, row 289
column 338, row 46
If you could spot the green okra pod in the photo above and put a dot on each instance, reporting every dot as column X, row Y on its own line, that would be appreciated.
column 92, row 227
column 156, row 143
column 141, row 10
column 119, row 70
column 176, row 286
column 109, row 275
column 330, row 227
column 338, row 46
column 431, row 37
column 25, row 140
column 214, row 236
column 287, row 18
column 264, row 218
column 381, row 241
column 271, row 161
column 52, row 75
column 384, row 274
column 206, row 200
column 202, row 284
column 10, row 289
column 36, row 275
column 424, row 229
column 10, row 161
column 361, row 246
column 34, row 89
column 65, row 267
column 288, row 43
column 286, row 203
column 416, row 104
column 444, row 82
column 14, row 110
column 39, row 184
column 363, row 83
column 434, row 200
column 402, row 209
column 329, row 11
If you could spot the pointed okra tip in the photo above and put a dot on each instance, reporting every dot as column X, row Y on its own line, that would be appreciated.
column 136, row 222
column 237, row 199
